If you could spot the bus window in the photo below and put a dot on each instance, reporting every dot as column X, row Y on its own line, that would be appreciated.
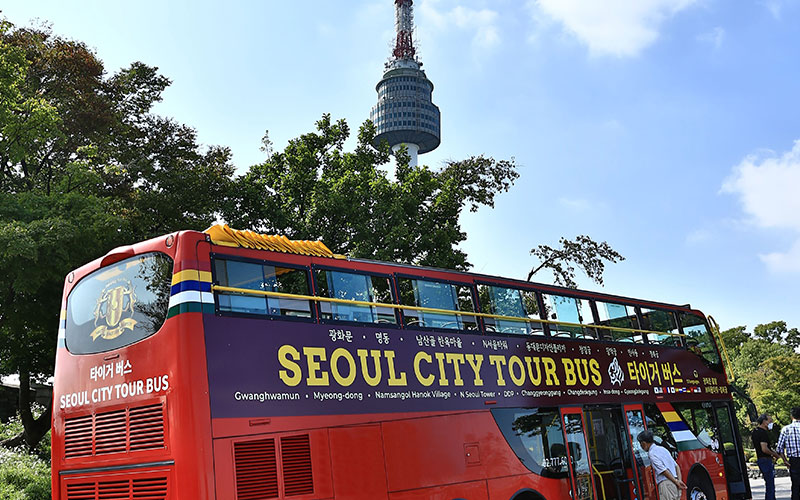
column 636, row 426
column 118, row 305
column 663, row 327
column 437, row 295
column 569, row 310
column 619, row 316
column 698, row 338
column 263, row 278
column 509, row 302
column 358, row 287
column 700, row 420
column 536, row 437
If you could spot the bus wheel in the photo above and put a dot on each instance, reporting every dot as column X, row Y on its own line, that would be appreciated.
column 699, row 488
column 527, row 495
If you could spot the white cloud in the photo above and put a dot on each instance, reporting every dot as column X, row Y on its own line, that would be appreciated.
column 481, row 22
column 767, row 187
column 783, row 262
column 715, row 37
column 621, row 28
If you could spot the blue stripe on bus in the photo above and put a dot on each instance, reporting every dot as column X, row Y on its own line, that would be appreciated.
column 183, row 286
column 677, row 426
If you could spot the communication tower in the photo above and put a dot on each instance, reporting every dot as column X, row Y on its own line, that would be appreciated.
column 405, row 113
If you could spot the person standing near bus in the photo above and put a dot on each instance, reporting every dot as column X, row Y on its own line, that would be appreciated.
column 789, row 448
column 668, row 473
column 764, row 454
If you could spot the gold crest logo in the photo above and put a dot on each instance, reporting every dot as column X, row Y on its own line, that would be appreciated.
column 115, row 309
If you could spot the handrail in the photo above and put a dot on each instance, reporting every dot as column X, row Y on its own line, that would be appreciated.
column 715, row 330
column 246, row 291
column 600, row 476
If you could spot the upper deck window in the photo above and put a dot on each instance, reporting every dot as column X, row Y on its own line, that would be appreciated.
column 619, row 316
column 698, row 338
column 118, row 305
column 569, row 310
column 662, row 324
column 437, row 295
column 262, row 278
column 511, row 302
column 356, row 287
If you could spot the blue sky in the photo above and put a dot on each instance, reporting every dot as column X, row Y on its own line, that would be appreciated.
column 666, row 127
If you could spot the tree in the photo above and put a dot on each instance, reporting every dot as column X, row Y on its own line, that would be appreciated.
column 775, row 385
column 84, row 167
column 777, row 331
column 734, row 338
column 316, row 190
column 766, row 368
column 583, row 252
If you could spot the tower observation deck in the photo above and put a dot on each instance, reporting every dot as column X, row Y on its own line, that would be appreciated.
column 405, row 113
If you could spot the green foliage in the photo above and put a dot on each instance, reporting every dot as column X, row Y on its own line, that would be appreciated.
column 84, row 167
column 24, row 474
column 777, row 331
column 734, row 338
column 316, row 190
column 766, row 366
column 775, row 385
column 583, row 252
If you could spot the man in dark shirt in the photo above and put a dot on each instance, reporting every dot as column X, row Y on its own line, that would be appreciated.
column 765, row 455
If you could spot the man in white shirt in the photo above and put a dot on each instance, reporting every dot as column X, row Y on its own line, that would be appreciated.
column 668, row 474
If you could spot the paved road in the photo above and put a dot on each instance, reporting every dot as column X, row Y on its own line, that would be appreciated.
column 783, row 488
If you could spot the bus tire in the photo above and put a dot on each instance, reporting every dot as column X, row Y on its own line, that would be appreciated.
column 699, row 488
column 527, row 495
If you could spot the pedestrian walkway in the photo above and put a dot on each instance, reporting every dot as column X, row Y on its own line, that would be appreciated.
column 783, row 488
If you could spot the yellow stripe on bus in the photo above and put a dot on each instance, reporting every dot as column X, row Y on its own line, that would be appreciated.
column 671, row 416
column 191, row 275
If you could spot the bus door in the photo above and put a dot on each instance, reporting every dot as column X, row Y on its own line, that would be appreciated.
column 730, row 448
column 609, row 451
column 644, row 485
column 577, row 454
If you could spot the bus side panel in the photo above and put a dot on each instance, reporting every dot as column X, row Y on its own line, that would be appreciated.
column 706, row 458
column 505, row 488
column 319, row 467
column 464, row 447
column 358, row 462
column 190, row 417
column 475, row 490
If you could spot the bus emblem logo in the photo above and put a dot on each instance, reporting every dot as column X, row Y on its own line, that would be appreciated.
column 115, row 309
column 616, row 373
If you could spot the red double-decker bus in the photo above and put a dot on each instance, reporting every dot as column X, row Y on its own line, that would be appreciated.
column 233, row 365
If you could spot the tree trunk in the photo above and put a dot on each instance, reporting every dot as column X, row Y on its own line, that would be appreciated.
column 34, row 429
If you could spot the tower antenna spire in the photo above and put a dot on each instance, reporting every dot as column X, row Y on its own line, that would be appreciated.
column 404, row 25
